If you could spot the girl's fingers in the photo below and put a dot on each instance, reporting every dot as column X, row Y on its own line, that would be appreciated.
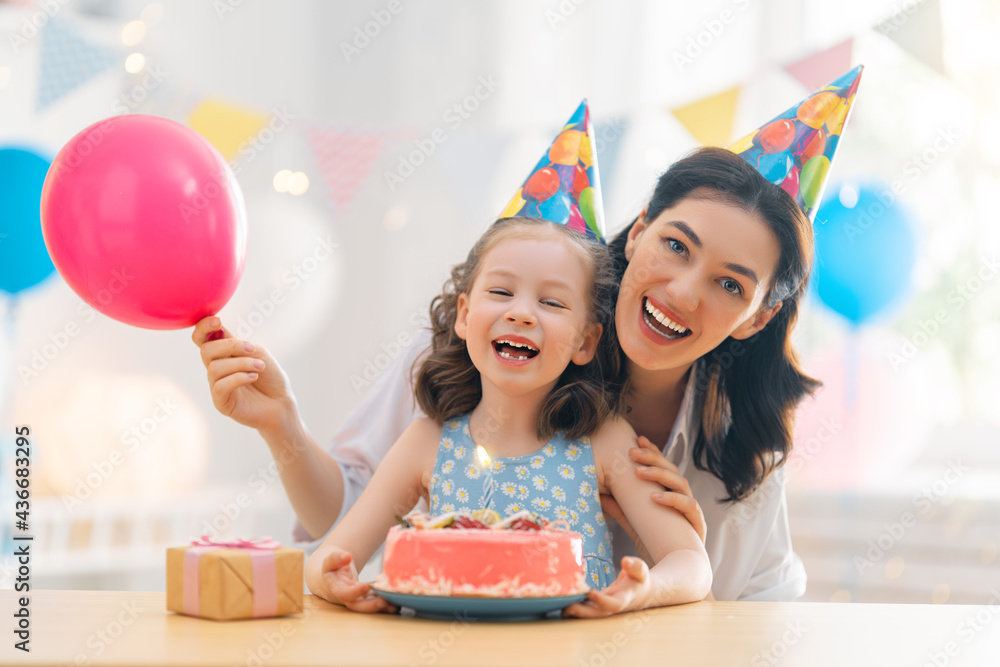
column 226, row 348
column 221, row 368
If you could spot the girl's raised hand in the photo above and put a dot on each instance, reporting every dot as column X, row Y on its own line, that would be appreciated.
column 629, row 591
column 339, row 584
column 245, row 381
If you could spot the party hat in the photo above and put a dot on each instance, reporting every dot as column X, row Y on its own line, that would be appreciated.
column 796, row 148
column 564, row 187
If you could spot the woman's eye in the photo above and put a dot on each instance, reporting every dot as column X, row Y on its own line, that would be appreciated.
column 732, row 286
column 676, row 246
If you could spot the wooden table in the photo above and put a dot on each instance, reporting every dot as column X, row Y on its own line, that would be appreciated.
column 134, row 628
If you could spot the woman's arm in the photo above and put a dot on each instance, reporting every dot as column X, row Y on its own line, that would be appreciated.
column 395, row 488
column 682, row 572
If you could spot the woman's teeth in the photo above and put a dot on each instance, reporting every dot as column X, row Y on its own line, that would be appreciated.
column 654, row 313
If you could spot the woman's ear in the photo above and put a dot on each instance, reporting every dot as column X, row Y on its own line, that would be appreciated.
column 588, row 345
column 462, row 317
column 633, row 235
column 754, row 324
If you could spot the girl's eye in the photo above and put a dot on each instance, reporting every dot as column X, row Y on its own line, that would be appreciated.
column 732, row 286
column 499, row 290
column 676, row 246
column 553, row 303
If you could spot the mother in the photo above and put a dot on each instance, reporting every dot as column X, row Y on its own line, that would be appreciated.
column 711, row 274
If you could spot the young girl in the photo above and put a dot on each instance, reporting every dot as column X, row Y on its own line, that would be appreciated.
column 513, row 369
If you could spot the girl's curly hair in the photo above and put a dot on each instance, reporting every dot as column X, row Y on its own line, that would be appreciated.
column 447, row 383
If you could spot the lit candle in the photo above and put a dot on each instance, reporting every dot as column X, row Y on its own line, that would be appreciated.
column 484, row 459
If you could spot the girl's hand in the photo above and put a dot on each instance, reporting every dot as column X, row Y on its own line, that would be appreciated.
column 246, row 382
column 339, row 584
column 654, row 466
column 625, row 593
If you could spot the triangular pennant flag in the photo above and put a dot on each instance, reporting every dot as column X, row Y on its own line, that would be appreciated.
column 67, row 61
column 710, row 120
column 345, row 157
column 482, row 149
column 918, row 32
column 225, row 125
column 815, row 70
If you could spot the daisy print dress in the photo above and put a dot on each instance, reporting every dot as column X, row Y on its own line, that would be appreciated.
column 559, row 481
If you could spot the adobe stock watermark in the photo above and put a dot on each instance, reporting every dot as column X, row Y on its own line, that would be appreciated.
column 929, row 496
column 703, row 40
column 220, row 179
column 272, row 642
column 604, row 653
column 967, row 629
column 31, row 26
column 433, row 649
column 778, row 649
column 454, row 116
column 746, row 511
column 294, row 277
column 42, row 357
column 223, row 8
column 127, row 102
column 958, row 297
column 101, row 639
column 901, row 14
column 563, row 11
column 913, row 168
column 364, row 34
column 375, row 366
column 130, row 440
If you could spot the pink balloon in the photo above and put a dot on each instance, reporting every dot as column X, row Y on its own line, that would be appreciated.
column 145, row 221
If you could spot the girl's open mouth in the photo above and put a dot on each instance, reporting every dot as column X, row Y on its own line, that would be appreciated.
column 514, row 349
column 662, row 324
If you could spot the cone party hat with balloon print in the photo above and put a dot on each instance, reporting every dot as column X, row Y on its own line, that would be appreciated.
column 796, row 148
column 564, row 187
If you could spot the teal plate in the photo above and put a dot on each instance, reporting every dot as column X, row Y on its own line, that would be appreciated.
column 479, row 609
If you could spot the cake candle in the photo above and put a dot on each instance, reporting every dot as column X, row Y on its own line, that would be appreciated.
column 484, row 459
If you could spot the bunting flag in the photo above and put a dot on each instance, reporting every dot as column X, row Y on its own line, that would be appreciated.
column 917, row 30
column 473, row 186
column 710, row 120
column 67, row 61
column 228, row 127
column 815, row 70
column 345, row 156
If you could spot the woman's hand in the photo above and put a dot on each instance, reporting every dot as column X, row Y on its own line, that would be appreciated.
column 627, row 592
column 245, row 381
column 339, row 584
column 654, row 466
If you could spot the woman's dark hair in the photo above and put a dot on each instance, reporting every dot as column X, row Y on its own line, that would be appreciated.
column 448, row 384
column 750, row 401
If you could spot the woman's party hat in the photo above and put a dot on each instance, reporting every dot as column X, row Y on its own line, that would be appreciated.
column 564, row 187
column 796, row 148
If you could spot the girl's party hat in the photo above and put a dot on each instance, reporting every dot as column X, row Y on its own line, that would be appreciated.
column 564, row 187
column 796, row 148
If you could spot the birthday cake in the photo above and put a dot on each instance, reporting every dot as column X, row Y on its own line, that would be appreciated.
column 482, row 555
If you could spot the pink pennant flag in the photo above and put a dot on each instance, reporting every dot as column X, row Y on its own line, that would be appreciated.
column 346, row 157
column 815, row 70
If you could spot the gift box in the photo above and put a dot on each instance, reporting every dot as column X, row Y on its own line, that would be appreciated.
column 226, row 580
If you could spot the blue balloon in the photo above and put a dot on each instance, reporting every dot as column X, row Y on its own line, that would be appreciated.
column 24, row 260
column 864, row 254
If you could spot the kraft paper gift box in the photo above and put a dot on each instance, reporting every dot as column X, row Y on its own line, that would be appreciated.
column 226, row 580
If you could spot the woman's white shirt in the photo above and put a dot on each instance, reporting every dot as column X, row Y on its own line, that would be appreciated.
column 748, row 543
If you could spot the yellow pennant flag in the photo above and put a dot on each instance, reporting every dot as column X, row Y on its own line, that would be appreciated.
column 710, row 120
column 225, row 125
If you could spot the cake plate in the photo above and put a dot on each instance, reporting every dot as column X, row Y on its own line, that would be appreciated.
column 479, row 609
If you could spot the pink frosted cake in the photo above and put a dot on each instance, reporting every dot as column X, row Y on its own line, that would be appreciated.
column 458, row 555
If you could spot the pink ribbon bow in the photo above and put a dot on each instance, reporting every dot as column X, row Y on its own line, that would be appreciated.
column 265, row 580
